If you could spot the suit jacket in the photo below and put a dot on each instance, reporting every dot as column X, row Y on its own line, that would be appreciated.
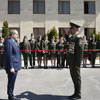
column 12, row 55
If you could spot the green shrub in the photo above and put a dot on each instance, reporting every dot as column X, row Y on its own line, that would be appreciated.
column 5, row 30
column 98, row 36
column 52, row 33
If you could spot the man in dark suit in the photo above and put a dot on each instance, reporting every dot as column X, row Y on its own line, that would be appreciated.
column 12, row 63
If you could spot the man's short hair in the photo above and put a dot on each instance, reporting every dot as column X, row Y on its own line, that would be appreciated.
column 13, row 31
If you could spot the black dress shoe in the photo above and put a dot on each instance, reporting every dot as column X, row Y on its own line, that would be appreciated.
column 33, row 66
column 93, row 66
column 74, row 97
column 17, row 98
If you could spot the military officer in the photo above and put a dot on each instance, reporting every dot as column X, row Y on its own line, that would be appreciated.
column 45, row 53
column 66, row 46
column 52, row 46
column 39, row 47
column 56, row 41
column 2, row 52
column 60, row 55
column 93, row 45
column 74, row 58
column 98, row 47
column 85, row 53
column 33, row 47
column 25, row 45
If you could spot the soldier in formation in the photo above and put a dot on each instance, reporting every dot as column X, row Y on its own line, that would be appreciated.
column 60, row 53
column 45, row 52
column 85, row 53
column 32, row 42
column 2, row 54
column 92, row 45
column 25, row 46
column 52, row 53
column 39, row 48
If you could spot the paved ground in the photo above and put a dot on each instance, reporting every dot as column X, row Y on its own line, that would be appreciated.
column 52, row 84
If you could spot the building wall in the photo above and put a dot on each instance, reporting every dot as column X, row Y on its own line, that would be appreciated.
column 26, row 20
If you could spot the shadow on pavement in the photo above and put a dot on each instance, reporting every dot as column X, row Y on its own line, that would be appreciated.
column 31, row 96
column 3, row 99
column 42, row 67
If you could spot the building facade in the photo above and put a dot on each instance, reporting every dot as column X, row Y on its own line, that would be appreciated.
column 39, row 16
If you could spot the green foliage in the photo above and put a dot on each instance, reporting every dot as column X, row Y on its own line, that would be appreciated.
column 5, row 30
column 98, row 36
column 93, row 33
column 52, row 33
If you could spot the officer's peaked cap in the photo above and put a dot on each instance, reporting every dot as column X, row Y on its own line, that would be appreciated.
column 73, row 25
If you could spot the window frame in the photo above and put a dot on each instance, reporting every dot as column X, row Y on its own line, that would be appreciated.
column 88, row 7
column 63, row 6
column 38, row 6
column 38, row 31
column 13, row 6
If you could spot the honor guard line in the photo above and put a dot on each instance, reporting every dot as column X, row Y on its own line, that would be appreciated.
column 55, row 50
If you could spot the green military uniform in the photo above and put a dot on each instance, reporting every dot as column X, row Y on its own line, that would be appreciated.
column 2, row 60
column 52, row 46
column 74, row 57
column 45, row 47
column 39, row 46
column 32, row 55
column 98, row 47
column 60, row 55
column 92, row 45
column 85, row 53
column 25, row 46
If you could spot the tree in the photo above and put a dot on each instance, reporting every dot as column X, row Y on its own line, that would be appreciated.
column 52, row 33
column 5, row 30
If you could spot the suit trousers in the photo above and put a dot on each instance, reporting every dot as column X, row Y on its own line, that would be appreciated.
column 11, row 84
